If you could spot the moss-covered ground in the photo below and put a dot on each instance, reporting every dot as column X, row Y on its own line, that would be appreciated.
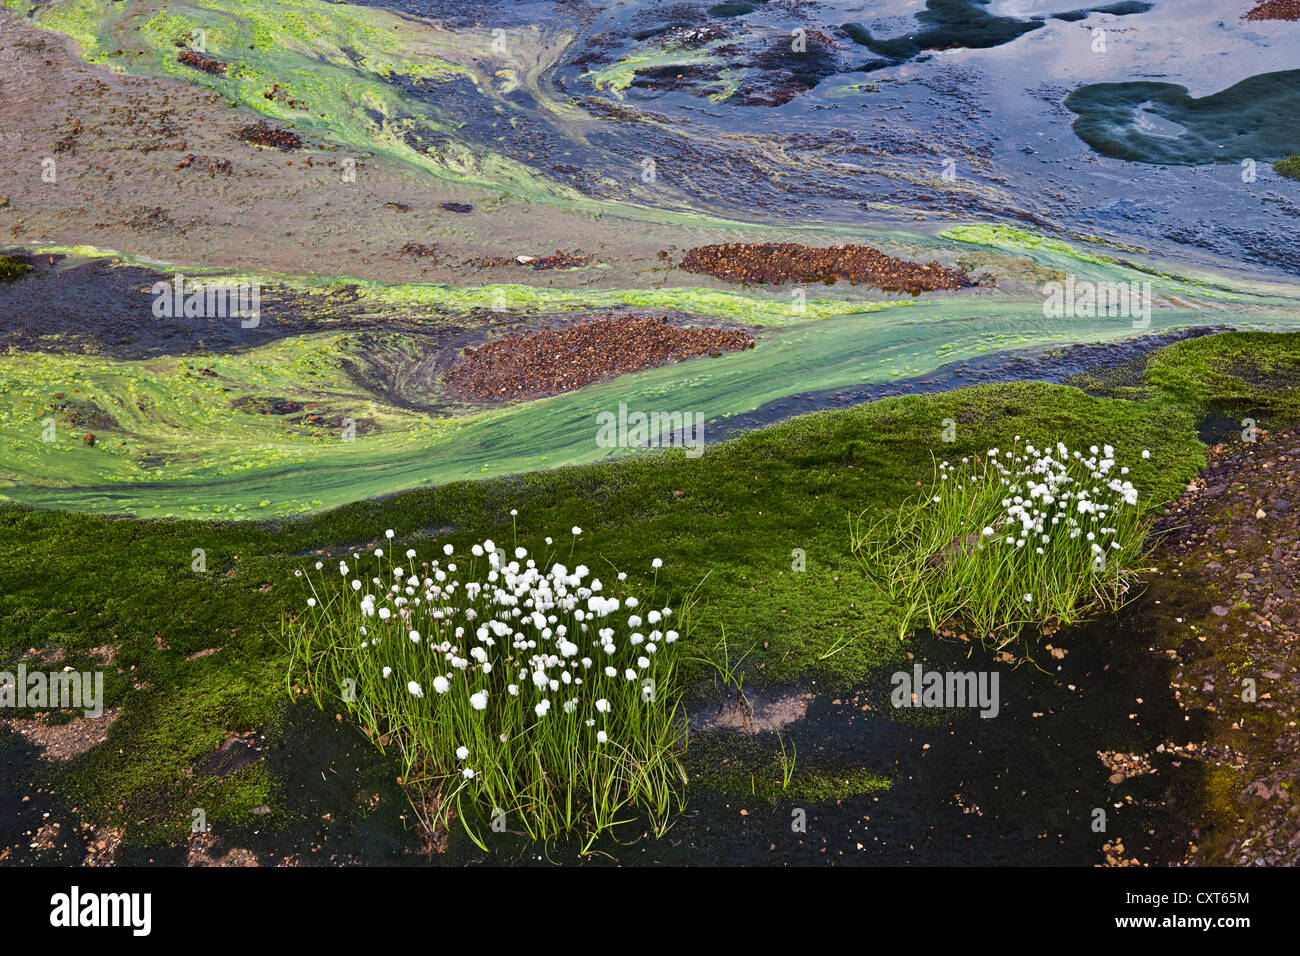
column 743, row 519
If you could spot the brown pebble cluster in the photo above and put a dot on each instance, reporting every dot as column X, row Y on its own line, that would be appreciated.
column 260, row 134
column 205, row 63
column 560, row 260
column 550, row 361
column 1276, row 10
column 777, row 263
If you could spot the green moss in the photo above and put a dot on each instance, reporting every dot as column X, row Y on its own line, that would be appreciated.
column 13, row 268
column 1289, row 167
column 1236, row 372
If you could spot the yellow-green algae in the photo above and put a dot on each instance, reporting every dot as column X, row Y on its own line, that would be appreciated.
column 332, row 59
column 223, row 461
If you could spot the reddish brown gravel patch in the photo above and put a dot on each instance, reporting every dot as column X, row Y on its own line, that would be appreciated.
column 262, row 134
column 560, row 260
column 551, row 361
column 777, row 263
column 205, row 63
column 1276, row 10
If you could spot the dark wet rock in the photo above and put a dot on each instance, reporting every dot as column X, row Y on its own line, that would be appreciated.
column 1257, row 118
column 234, row 754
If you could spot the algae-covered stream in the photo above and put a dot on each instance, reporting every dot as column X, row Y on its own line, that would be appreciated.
column 180, row 420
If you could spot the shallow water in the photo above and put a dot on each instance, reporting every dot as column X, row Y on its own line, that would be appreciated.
column 959, row 110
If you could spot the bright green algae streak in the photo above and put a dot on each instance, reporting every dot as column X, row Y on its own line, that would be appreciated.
column 334, row 59
column 236, row 475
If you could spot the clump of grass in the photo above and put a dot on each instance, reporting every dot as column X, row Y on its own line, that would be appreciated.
column 1289, row 167
column 12, row 268
column 1026, row 537
column 524, row 689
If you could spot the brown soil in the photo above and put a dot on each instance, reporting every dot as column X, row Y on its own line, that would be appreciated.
column 1234, row 537
column 778, row 263
column 206, row 850
column 1276, row 10
column 535, row 364
column 67, row 740
column 119, row 140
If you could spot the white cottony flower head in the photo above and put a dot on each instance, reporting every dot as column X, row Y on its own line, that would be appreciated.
column 479, row 701
column 441, row 684
column 462, row 752
column 415, row 689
